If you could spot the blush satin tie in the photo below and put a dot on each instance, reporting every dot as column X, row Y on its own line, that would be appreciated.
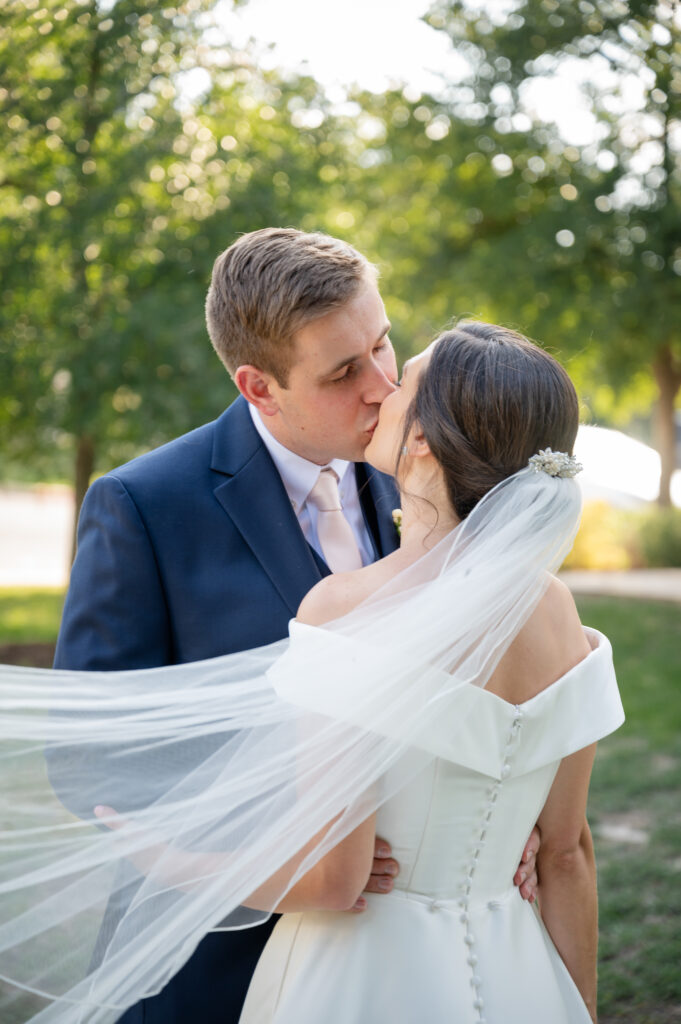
column 336, row 538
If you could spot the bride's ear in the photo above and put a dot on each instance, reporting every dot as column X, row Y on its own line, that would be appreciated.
column 417, row 446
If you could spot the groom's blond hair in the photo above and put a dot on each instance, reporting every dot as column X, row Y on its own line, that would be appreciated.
column 268, row 285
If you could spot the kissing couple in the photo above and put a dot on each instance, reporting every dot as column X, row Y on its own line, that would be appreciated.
column 272, row 699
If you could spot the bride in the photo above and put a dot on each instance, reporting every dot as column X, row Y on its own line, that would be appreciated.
column 447, row 695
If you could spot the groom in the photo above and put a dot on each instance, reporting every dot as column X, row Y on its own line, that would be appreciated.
column 207, row 545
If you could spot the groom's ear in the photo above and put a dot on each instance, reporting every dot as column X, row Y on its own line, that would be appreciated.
column 256, row 387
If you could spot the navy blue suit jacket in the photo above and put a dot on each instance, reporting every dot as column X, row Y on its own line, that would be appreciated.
column 190, row 552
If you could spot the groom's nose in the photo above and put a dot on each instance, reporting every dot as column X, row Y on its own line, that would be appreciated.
column 378, row 385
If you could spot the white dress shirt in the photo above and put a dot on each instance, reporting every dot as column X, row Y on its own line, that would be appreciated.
column 299, row 476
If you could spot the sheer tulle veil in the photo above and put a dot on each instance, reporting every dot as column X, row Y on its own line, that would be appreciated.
column 226, row 773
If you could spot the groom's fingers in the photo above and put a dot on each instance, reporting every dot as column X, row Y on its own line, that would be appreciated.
column 108, row 816
column 526, row 875
column 383, row 873
column 528, row 888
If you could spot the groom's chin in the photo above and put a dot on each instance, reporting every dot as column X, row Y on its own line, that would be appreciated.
column 357, row 452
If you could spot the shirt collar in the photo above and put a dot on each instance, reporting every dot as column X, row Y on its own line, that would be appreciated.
column 298, row 475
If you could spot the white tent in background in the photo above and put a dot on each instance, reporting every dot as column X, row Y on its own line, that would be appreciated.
column 619, row 469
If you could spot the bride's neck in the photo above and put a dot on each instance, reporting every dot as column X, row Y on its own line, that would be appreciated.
column 427, row 515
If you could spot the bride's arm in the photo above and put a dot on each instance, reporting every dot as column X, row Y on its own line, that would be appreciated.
column 567, row 873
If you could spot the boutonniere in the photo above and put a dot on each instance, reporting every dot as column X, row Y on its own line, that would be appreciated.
column 397, row 520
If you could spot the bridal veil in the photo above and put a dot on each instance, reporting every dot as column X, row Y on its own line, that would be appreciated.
column 225, row 774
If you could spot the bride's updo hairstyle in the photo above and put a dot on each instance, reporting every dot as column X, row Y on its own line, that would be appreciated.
column 486, row 402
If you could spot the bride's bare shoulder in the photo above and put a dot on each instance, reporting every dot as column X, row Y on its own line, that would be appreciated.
column 554, row 630
column 551, row 642
column 336, row 595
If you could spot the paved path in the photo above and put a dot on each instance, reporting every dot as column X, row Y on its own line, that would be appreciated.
column 35, row 532
column 654, row 584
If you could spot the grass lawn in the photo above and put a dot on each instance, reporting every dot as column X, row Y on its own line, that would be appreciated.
column 635, row 814
column 28, row 615
column 635, row 803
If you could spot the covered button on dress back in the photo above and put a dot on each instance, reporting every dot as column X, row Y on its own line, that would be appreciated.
column 336, row 538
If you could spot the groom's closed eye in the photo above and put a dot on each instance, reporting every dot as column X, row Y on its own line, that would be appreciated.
column 349, row 372
column 351, row 368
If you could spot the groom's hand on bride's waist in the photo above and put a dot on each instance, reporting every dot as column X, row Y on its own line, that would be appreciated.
column 526, row 875
column 384, row 870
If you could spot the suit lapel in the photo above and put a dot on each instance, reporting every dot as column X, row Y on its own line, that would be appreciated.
column 378, row 497
column 319, row 562
column 254, row 498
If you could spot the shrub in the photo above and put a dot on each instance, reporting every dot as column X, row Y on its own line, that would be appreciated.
column 658, row 537
column 610, row 538
column 602, row 541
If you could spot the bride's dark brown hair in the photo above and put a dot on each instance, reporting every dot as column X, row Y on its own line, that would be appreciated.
column 486, row 402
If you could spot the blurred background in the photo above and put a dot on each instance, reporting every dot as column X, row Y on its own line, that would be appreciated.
column 513, row 160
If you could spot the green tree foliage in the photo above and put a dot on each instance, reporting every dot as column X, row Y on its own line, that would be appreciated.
column 591, row 251
column 116, row 195
column 463, row 219
column 117, row 190
column 88, row 111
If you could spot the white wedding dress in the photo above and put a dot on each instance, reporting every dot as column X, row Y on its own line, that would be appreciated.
column 454, row 943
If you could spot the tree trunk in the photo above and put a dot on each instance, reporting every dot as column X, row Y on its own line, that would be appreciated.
column 668, row 376
column 85, row 463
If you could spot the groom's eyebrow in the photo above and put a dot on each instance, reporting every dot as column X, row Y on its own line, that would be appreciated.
column 355, row 358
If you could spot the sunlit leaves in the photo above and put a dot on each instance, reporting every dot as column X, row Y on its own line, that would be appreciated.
column 596, row 227
column 118, row 194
